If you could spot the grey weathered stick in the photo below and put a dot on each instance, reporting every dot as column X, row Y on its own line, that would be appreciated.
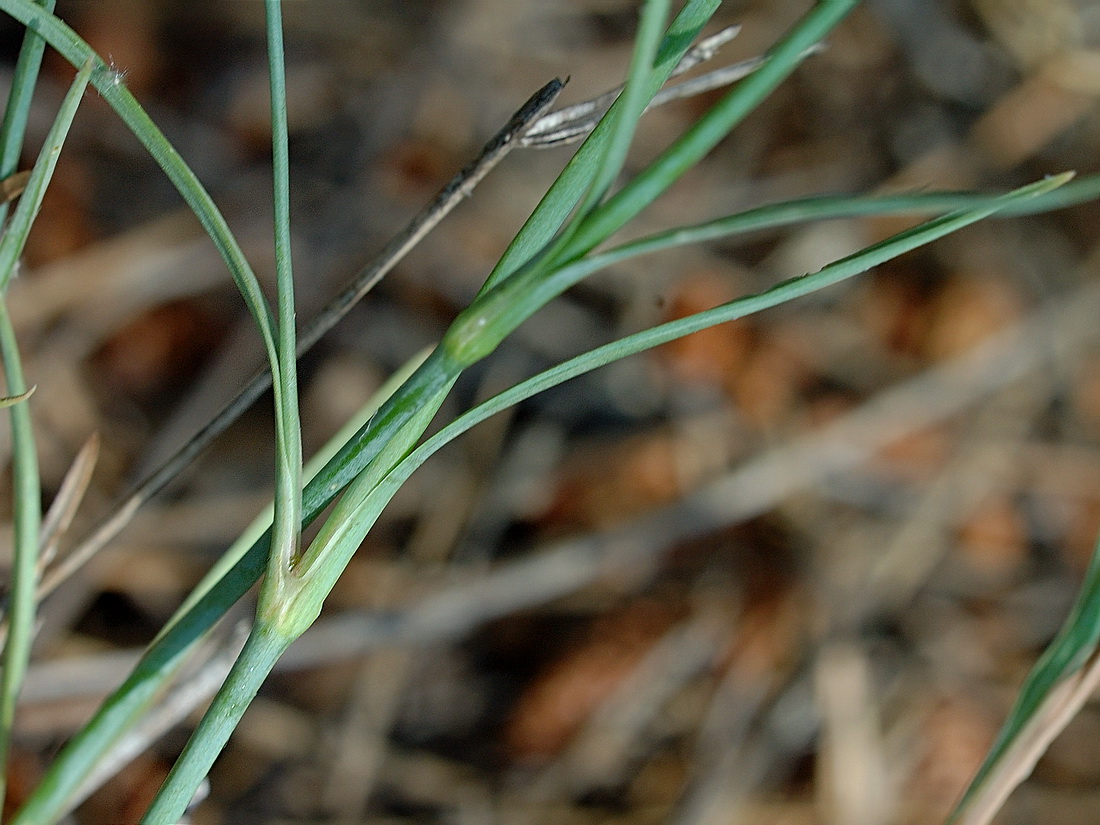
column 581, row 118
column 572, row 123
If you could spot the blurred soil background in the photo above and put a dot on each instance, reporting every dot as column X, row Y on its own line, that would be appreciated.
column 789, row 570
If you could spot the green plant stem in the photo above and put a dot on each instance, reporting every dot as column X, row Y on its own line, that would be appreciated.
column 108, row 82
column 370, row 492
column 338, row 539
column 287, row 525
column 27, row 496
column 642, row 83
column 268, row 639
column 26, row 518
column 282, row 618
column 259, row 526
column 15, row 237
column 18, row 107
column 199, row 614
column 574, row 180
column 259, row 655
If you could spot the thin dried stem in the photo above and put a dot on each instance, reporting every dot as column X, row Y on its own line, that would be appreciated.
column 65, row 504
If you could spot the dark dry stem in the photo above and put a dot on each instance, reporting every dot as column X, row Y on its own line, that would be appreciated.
column 574, row 125
column 571, row 123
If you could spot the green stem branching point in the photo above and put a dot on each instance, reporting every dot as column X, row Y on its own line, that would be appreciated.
column 548, row 256
column 269, row 639
column 288, row 500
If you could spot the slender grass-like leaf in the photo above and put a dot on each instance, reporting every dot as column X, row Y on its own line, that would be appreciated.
column 364, row 500
column 17, row 110
column 27, row 496
column 642, row 83
column 286, row 530
column 738, row 308
column 26, row 518
column 15, row 238
column 834, row 207
column 705, row 134
column 571, row 184
column 265, row 643
column 108, row 82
